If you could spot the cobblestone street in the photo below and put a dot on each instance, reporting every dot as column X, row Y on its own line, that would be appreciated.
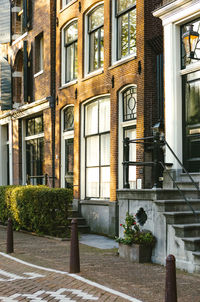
column 143, row 282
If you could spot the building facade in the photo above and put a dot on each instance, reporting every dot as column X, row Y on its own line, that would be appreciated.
column 78, row 81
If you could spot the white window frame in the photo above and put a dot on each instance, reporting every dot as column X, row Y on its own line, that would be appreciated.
column 114, row 42
column 63, row 56
column 86, row 46
column 41, row 54
column 4, row 122
column 26, row 138
column 82, row 145
column 122, row 126
column 64, row 5
column 64, row 136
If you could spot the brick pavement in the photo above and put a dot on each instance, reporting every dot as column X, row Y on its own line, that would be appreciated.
column 142, row 281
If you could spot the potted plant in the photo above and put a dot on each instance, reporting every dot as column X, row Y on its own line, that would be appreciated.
column 136, row 245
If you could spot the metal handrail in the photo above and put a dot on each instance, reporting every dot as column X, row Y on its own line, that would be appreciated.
column 178, row 160
column 158, row 143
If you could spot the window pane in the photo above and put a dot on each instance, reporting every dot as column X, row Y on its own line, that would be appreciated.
column 70, row 62
column 71, row 33
column 123, row 36
column 76, row 61
column 38, row 125
column 131, row 133
column 105, row 149
column 69, row 118
column 105, row 182
column 69, row 162
column 124, row 4
column 92, row 182
column 102, row 47
column 30, row 127
column 92, row 151
column 104, row 112
column 132, row 31
column 96, row 18
column 91, row 118
column 93, row 51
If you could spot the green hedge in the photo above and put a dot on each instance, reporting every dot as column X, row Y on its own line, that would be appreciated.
column 36, row 208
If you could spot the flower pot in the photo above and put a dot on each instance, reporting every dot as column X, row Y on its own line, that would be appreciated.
column 135, row 252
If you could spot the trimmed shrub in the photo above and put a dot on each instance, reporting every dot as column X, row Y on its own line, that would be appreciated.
column 36, row 208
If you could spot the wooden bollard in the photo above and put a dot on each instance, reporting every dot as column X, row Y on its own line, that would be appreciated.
column 10, row 248
column 170, row 285
column 74, row 251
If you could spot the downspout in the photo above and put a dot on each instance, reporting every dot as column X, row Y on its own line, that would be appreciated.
column 53, row 80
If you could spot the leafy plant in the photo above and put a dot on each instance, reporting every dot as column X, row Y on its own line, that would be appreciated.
column 133, row 234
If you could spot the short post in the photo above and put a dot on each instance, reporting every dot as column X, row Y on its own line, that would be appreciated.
column 170, row 285
column 74, row 251
column 126, row 164
column 10, row 248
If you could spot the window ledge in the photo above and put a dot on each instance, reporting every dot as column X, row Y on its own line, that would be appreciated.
column 19, row 38
column 93, row 74
column 68, row 5
column 38, row 73
column 68, row 84
column 190, row 68
column 101, row 202
column 123, row 61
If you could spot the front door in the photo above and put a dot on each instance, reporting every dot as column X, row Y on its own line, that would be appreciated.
column 191, row 122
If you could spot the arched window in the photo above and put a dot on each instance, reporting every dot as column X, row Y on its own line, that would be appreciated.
column 70, row 38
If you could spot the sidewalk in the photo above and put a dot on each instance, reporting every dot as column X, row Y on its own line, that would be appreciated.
column 145, row 282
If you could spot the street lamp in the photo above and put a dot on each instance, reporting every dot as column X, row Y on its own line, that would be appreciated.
column 190, row 39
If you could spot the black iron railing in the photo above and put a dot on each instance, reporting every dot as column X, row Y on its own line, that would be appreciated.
column 157, row 144
column 39, row 179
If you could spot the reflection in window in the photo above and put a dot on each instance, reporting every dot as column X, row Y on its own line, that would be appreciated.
column 70, row 44
column 69, row 118
column 185, row 60
column 96, row 38
column 97, row 138
column 129, row 104
column 126, row 27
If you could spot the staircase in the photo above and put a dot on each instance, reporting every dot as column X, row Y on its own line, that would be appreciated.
column 182, row 226
column 81, row 222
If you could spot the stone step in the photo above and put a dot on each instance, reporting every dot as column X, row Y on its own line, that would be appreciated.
column 187, row 230
column 177, row 205
column 182, row 217
column 192, row 243
column 186, row 184
column 73, row 213
column 174, row 194
column 195, row 176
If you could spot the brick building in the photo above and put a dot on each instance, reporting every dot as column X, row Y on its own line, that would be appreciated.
column 79, row 80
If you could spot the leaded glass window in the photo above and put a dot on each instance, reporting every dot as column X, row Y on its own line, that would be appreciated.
column 71, row 59
column 34, row 126
column 184, row 59
column 97, row 144
column 126, row 27
column 69, row 118
column 96, row 38
column 130, row 104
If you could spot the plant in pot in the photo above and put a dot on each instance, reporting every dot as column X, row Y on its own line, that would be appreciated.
column 136, row 245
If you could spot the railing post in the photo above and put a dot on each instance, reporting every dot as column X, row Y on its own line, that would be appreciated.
column 157, row 158
column 126, row 165
column 45, row 179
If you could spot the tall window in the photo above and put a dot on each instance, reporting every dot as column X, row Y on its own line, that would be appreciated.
column 97, row 148
column 96, row 38
column 35, row 150
column 70, row 55
column 68, row 147
column 127, row 128
column 39, row 53
column 126, row 27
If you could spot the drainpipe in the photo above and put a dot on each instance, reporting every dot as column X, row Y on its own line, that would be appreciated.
column 53, row 80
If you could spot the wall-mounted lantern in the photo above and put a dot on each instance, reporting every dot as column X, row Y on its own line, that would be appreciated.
column 190, row 40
